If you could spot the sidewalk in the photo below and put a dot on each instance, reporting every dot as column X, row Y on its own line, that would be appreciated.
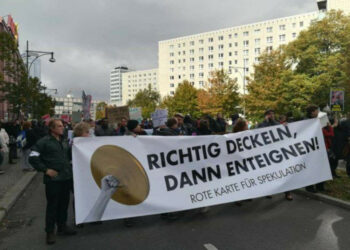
column 12, row 184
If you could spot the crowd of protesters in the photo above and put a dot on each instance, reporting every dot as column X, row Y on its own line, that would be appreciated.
column 44, row 147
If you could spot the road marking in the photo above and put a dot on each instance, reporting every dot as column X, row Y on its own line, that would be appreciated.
column 209, row 246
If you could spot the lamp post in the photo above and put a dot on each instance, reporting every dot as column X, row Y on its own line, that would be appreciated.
column 244, row 70
column 37, row 54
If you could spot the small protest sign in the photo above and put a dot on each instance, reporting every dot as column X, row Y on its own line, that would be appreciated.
column 115, row 114
column 159, row 117
column 337, row 100
column 135, row 114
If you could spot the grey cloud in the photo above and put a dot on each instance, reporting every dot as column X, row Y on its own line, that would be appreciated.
column 90, row 37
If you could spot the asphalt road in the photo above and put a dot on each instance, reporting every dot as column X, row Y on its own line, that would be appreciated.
column 260, row 224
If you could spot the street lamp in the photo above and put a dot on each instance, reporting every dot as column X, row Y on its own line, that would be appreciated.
column 38, row 54
column 244, row 70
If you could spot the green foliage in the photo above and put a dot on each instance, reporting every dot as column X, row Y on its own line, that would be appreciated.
column 301, row 73
column 184, row 100
column 22, row 93
column 147, row 99
column 220, row 96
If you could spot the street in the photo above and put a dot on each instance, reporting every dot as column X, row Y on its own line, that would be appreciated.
column 261, row 224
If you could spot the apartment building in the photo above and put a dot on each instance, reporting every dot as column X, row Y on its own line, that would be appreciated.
column 135, row 81
column 234, row 49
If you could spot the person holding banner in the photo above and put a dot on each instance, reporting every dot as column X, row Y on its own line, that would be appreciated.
column 50, row 155
column 312, row 113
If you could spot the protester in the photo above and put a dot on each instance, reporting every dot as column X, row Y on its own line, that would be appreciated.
column 82, row 129
column 102, row 129
column 182, row 127
column 171, row 128
column 221, row 122
column 2, row 152
column 25, row 147
column 122, row 126
column 50, row 155
column 13, row 130
column 328, row 134
column 134, row 128
column 311, row 113
column 269, row 119
column 203, row 128
column 345, row 125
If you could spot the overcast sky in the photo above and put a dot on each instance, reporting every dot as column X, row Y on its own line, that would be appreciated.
column 90, row 37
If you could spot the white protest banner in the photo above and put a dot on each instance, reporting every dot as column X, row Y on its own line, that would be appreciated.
column 159, row 117
column 149, row 175
column 135, row 114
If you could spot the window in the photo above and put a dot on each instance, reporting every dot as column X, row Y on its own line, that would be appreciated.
column 221, row 47
column 201, row 58
column 221, row 55
column 192, row 67
column 211, row 57
column 257, row 42
column 230, row 62
column 269, row 48
column 179, row 60
column 246, row 52
column 192, row 76
column 172, row 62
column 201, row 66
column 269, row 39
column 172, row 92
column 229, row 53
column 179, row 45
column 179, row 76
column 183, row 60
column 192, row 43
column 246, row 43
column 301, row 24
column 210, row 65
column 257, row 31
column 192, row 51
column 257, row 51
column 179, row 53
column 269, row 29
column 201, row 50
column 221, row 38
column 184, row 44
column 230, row 45
column 172, row 85
column 221, row 64
column 201, row 41
column 211, row 40
column 236, row 35
column 257, row 59
column 294, row 35
column 236, row 62
column 184, row 52
column 201, row 83
column 230, row 36
column 282, row 27
column 192, row 59
column 282, row 38
column 201, row 74
column 172, row 77
column 171, row 46
column 210, row 48
column 294, row 25
column 246, row 61
column 236, row 53
column 236, row 44
column 246, row 33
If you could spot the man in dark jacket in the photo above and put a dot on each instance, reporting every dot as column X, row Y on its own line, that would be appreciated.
column 102, row 129
column 51, row 156
column 269, row 119
column 345, row 126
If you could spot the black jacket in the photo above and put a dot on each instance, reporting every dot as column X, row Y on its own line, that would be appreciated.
column 49, row 153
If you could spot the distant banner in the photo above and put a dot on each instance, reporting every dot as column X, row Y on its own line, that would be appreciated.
column 135, row 114
column 337, row 100
column 116, row 114
column 86, row 105
column 145, row 175
column 159, row 117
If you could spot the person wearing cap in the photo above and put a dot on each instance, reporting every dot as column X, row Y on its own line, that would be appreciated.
column 181, row 126
column 269, row 119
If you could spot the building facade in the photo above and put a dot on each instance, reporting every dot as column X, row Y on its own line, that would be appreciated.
column 9, row 27
column 116, row 85
column 234, row 49
column 68, row 104
column 135, row 81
